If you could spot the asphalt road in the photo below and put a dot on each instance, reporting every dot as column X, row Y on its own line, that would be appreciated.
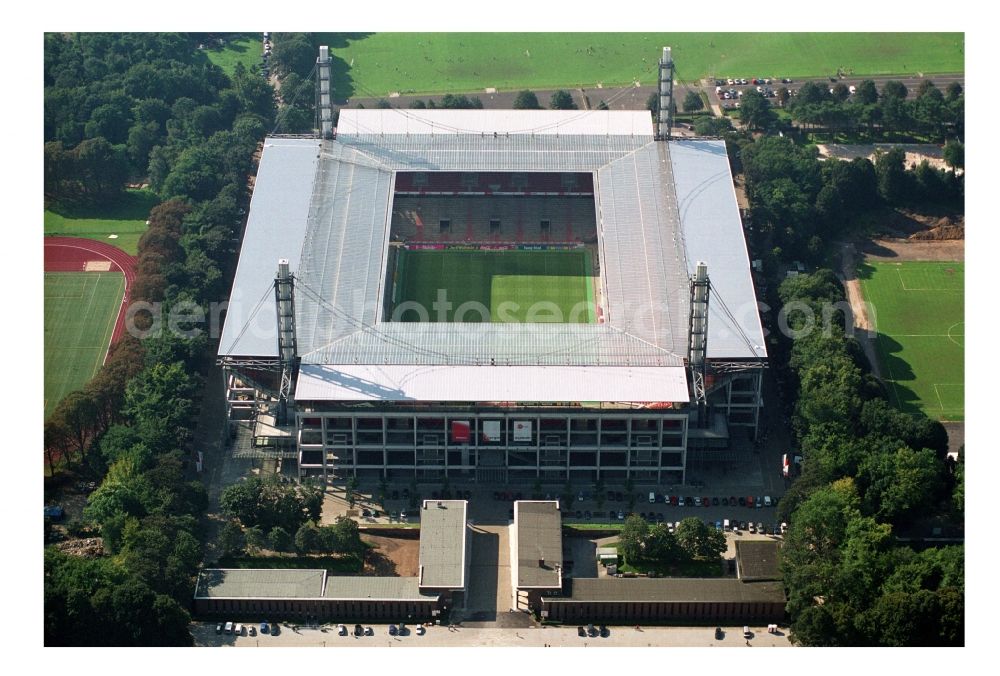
column 326, row 636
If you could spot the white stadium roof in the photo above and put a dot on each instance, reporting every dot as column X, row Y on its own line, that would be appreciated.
column 326, row 206
column 491, row 383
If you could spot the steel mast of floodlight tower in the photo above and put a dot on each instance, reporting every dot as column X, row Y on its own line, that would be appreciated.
column 665, row 112
column 284, row 294
column 698, row 339
column 324, row 94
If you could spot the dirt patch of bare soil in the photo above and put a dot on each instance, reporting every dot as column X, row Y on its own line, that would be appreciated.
column 899, row 250
column 392, row 556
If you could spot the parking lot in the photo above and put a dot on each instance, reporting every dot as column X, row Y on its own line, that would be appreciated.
column 325, row 636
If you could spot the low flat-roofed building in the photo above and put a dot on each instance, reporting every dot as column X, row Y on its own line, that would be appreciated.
column 444, row 548
column 379, row 598
column 288, row 592
column 538, row 565
column 638, row 600
column 758, row 560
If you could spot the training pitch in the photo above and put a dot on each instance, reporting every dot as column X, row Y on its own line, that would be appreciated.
column 508, row 286
column 376, row 64
column 80, row 313
column 919, row 313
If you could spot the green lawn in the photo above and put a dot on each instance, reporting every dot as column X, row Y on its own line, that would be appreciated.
column 126, row 219
column 919, row 315
column 246, row 50
column 80, row 313
column 511, row 286
column 376, row 64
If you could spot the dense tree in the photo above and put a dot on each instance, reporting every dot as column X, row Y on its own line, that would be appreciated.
column 632, row 538
column 292, row 53
column 526, row 100
column 308, row 537
column 755, row 111
column 698, row 540
column 279, row 539
column 268, row 503
column 160, row 405
column 712, row 126
column 891, row 174
column 692, row 101
column 954, row 154
column 866, row 93
column 562, row 100
column 894, row 89
column 230, row 539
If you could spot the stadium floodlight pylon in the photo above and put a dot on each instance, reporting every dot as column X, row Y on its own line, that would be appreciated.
column 665, row 114
column 284, row 293
column 698, row 338
column 324, row 95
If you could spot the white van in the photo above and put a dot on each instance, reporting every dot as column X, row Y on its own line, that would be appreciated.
column 725, row 525
column 229, row 627
column 238, row 629
column 652, row 497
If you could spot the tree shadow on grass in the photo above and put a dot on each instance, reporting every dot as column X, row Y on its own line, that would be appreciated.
column 378, row 564
column 340, row 70
column 133, row 205
column 900, row 372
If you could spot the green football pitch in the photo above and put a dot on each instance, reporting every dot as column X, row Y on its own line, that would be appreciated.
column 80, row 313
column 375, row 64
column 919, row 313
column 496, row 286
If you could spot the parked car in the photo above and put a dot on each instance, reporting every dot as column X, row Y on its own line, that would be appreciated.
column 580, row 631
column 743, row 525
column 749, row 501
column 578, row 514
column 725, row 502
column 619, row 496
column 264, row 629
column 760, row 527
column 715, row 502
column 587, row 515
column 706, row 502
column 252, row 630
column 591, row 630
column 767, row 500
column 746, row 632
column 673, row 501
column 758, row 501
column 359, row 630
column 752, row 528
column 369, row 631
column 392, row 630
column 680, row 501
column 719, row 634
column 218, row 628
column 403, row 631
column 784, row 527
column 605, row 632
column 743, row 501
column 621, row 515
column 342, row 630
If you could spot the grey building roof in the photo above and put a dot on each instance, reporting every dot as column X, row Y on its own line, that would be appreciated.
column 216, row 583
column 275, row 229
column 375, row 589
column 327, row 207
column 443, row 534
column 538, row 527
column 669, row 589
column 713, row 232
column 758, row 560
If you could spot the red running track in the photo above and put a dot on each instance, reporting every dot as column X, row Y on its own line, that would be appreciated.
column 71, row 254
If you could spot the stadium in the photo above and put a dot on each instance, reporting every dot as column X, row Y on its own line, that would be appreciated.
column 494, row 296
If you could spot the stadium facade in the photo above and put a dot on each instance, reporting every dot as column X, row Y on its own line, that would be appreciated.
column 321, row 368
